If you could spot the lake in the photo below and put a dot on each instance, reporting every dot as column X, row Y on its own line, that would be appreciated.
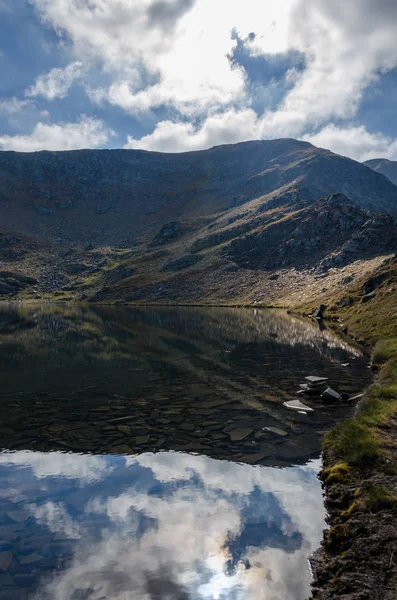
column 147, row 452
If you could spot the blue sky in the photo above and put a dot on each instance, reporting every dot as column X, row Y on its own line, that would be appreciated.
column 176, row 75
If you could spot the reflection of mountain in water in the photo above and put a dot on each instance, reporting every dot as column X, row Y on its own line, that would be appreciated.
column 126, row 380
column 166, row 525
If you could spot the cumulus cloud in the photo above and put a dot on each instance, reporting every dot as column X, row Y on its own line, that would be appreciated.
column 225, row 128
column 85, row 133
column 355, row 142
column 344, row 54
column 180, row 47
column 57, row 82
column 173, row 56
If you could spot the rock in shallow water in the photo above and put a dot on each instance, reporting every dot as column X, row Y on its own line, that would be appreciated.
column 236, row 435
column 297, row 405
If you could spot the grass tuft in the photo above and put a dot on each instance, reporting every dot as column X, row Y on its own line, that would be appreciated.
column 336, row 474
column 376, row 497
column 347, row 514
column 352, row 442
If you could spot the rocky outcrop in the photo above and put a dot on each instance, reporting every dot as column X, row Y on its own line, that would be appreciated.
column 331, row 233
column 11, row 283
column 170, row 232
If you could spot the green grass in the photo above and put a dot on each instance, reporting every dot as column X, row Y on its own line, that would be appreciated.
column 377, row 497
column 338, row 473
column 352, row 442
column 385, row 350
column 357, row 442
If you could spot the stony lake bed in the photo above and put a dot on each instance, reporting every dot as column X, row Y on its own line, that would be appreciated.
column 124, row 428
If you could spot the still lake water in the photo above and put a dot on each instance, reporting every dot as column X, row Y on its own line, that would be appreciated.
column 147, row 453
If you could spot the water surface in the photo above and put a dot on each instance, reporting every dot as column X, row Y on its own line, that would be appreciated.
column 147, row 453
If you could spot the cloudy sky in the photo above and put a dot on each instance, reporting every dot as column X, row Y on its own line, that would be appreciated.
column 175, row 75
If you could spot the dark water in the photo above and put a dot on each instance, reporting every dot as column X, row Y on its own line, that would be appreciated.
column 138, row 462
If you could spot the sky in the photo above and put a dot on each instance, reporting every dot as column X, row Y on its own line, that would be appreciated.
column 179, row 75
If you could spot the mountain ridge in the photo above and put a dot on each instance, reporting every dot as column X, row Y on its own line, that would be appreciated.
column 245, row 222
column 386, row 167
column 114, row 196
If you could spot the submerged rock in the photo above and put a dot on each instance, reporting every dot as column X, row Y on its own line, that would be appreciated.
column 236, row 435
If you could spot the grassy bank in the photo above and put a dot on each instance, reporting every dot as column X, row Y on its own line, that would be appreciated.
column 359, row 442
column 358, row 558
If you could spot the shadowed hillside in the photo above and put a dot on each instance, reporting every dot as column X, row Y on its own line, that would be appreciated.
column 384, row 166
column 232, row 224
column 112, row 196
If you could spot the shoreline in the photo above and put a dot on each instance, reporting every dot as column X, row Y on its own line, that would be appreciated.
column 357, row 559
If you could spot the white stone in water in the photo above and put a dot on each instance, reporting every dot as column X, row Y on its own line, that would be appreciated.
column 313, row 380
column 277, row 431
column 297, row 405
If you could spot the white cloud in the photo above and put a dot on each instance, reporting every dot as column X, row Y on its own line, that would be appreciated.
column 355, row 142
column 12, row 106
column 88, row 132
column 173, row 54
column 185, row 54
column 57, row 82
column 226, row 128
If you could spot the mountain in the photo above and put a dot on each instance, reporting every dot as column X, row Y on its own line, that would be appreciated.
column 113, row 196
column 385, row 167
column 251, row 222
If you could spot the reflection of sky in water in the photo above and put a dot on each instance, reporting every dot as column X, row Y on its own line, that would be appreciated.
column 159, row 526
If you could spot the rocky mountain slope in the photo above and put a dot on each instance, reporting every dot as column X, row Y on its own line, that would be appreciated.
column 250, row 222
column 114, row 196
column 385, row 167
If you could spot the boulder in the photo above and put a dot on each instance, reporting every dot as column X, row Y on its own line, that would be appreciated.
column 168, row 233
column 331, row 395
column 368, row 297
column 319, row 312
column 345, row 302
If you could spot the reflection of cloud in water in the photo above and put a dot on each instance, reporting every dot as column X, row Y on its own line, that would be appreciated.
column 176, row 526
column 55, row 517
column 71, row 466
